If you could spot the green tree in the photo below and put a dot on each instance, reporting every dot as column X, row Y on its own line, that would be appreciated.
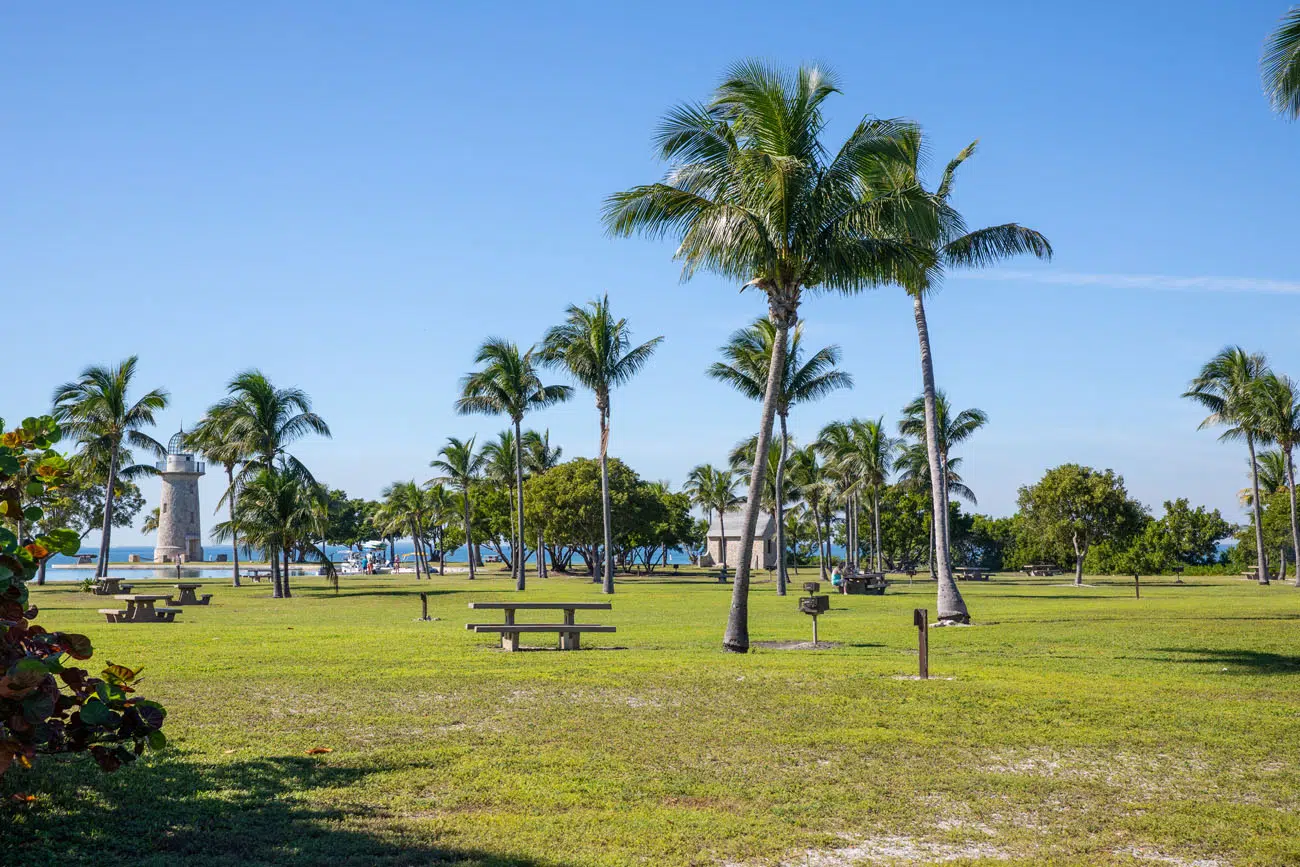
column 507, row 384
column 596, row 349
column 566, row 504
column 1080, row 507
column 948, row 245
column 747, row 360
column 461, row 466
column 97, row 411
column 1277, row 404
column 540, row 456
column 714, row 490
column 1228, row 387
column 1280, row 65
column 499, row 470
column 1194, row 533
column 753, row 194
column 212, row 439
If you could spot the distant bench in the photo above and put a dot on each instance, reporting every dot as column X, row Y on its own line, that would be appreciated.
column 569, row 631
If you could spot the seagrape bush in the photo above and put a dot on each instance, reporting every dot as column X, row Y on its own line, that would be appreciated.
column 47, row 703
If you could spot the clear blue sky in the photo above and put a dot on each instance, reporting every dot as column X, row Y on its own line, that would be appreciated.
column 351, row 196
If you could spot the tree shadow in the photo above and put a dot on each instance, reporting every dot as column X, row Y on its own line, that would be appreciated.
column 1258, row 661
column 265, row 811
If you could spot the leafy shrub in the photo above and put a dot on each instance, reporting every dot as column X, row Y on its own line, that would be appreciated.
column 46, row 704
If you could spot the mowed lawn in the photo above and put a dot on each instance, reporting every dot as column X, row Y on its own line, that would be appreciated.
column 1069, row 726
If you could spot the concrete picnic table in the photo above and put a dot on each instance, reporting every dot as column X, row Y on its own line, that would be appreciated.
column 188, row 596
column 568, row 631
column 140, row 607
column 109, row 585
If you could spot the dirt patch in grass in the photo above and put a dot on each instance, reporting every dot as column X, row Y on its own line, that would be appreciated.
column 797, row 645
column 891, row 849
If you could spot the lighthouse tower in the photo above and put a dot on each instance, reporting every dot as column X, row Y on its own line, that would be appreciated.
column 179, row 535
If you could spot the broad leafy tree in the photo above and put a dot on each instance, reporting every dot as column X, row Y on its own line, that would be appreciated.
column 507, row 383
column 596, row 349
column 747, row 357
column 1078, row 506
column 753, row 194
column 1228, row 386
column 97, row 410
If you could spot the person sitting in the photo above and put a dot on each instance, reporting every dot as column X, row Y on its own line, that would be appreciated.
column 837, row 579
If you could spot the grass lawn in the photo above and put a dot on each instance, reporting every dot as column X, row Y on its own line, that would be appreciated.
column 1069, row 726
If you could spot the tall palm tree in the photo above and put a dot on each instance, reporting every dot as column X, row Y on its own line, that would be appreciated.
column 540, row 456
column 748, row 355
column 460, row 466
column 211, row 438
column 499, row 469
column 949, row 245
column 150, row 524
column 96, row 410
column 913, row 465
column 596, row 349
column 1228, row 387
column 1281, row 65
column 1272, row 476
column 260, row 422
column 406, row 510
column 754, row 195
column 507, row 384
column 817, row 491
column 1278, row 404
column 281, row 509
column 714, row 490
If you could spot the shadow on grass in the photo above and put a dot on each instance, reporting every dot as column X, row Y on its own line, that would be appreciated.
column 1258, row 661
column 269, row 811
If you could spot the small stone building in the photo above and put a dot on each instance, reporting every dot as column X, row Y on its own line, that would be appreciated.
column 765, row 555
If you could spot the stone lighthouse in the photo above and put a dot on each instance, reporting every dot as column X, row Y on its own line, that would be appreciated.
column 179, row 534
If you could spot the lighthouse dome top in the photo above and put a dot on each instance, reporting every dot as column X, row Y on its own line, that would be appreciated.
column 176, row 445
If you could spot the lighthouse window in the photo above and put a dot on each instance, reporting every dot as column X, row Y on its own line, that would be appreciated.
column 164, row 508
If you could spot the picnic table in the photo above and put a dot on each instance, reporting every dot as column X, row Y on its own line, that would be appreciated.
column 864, row 584
column 140, row 609
column 971, row 573
column 189, row 597
column 110, row 586
column 1040, row 570
column 569, row 631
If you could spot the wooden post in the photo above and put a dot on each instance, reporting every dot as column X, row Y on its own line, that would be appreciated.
column 424, row 606
column 1137, row 586
column 921, row 619
column 814, row 630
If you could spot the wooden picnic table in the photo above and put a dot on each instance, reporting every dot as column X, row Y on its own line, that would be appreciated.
column 1045, row 570
column 569, row 631
column 972, row 573
column 140, row 609
column 189, row 597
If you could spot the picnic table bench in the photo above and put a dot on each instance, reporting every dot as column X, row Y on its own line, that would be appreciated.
column 189, row 597
column 569, row 631
column 110, row 586
column 972, row 573
column 140, row 609
column 1040, row 570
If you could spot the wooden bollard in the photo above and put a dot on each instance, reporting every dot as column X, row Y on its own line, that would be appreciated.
column 424, row 606
column 921, row 620
column 1137, row 586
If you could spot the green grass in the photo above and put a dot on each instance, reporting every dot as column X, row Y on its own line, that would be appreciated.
column 1070, row 726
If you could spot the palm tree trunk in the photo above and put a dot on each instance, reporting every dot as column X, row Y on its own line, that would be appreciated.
column 230, row 504
column 518, row 556
column 722, row 542
column 415, row 540
column 736, row 638
column 781, row 577
column 951, row 606
column 1295, row 532
column 875, row 519
column 606, row 511
column 285, row 578
column 101, row 570
column 1281, row 562
column 1262, row 559
column 929, row 550
column 541, row 554
column 469, row 546
column 821, row 554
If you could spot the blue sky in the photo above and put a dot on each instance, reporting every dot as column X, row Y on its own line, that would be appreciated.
column 352, row 196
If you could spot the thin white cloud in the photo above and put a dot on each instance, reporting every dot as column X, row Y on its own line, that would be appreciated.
column 1156, row 282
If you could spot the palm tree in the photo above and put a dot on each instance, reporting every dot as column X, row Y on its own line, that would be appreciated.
column 754, row 195
column 1277, row 400
column 948, row 245
column 596, row 349
column 97, row 411
column 1272, row 476
column 808, row 477
column 150, row 522
column 499, row 469
column 1281, row 65
column 212, row 439
column 714, row 490
column 507, row 384
column 259, row 422
column 913, row 464
column 540, row 456
column 460, row 466
column 1228, row 387
column 406, row 510
column 748, row 356
column 281, row 509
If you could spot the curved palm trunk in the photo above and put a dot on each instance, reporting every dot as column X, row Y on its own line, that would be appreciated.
column 1262, row 559
column 230, row 504
column 821, row 552
column 736, row 638
column 415, row 541
column 781, row 577
column 875, row 519
column 1295, row 532
column 101, row 570
column 517, row 556
column 722, row 542
column 469, row 545
column 950, row 604
column 285, row 580
column 607, row 585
